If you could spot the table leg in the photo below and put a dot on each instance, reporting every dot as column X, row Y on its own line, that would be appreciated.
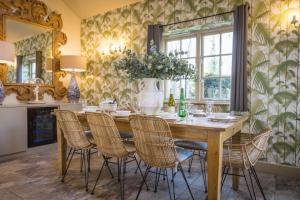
column 214, row 159
column 61, row 149
column 236, row 179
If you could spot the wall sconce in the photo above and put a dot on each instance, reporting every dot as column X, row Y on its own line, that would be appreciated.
column 111, row 47
column 294, row 20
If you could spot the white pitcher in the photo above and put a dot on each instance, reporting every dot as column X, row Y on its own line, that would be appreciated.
column 151, row 97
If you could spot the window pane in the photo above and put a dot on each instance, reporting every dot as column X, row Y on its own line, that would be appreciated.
column 211, row 88
column 211, row 66
column 192, row 61
column 211, row 45
column 189, row 46
column 175, row 89
column 227, row 43
column 191, row 84
column 190, row 89
column 225, row 88
column 173, row 45
column 226, row 62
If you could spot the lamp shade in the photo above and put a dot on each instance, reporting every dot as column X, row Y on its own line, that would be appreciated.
column 6, row 52
column 72, row 63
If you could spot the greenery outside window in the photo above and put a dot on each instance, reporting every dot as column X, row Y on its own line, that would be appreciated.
column 29, row 71
column 211, row 54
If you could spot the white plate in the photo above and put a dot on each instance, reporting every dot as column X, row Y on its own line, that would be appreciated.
column 120, row 115
column 221, row 118
column 168, row 116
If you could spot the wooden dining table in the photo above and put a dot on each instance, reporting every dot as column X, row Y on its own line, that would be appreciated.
column 198, row 129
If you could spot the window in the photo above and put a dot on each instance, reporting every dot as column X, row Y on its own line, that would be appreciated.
column 211, row 53
column 29, row 71
column 189, row 46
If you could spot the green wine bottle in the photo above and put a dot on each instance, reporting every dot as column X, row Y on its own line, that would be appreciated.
column 181, row 110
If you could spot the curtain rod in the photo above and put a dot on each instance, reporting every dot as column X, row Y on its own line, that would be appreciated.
column 189, row 20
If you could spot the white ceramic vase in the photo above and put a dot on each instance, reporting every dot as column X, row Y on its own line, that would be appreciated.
column 151, row 97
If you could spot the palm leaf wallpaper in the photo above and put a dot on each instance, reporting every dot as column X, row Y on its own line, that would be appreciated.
column 273, row 60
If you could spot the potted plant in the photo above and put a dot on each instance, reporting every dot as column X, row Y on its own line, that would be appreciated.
column 150, row 69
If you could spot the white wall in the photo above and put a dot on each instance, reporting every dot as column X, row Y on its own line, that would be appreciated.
column 71, row 26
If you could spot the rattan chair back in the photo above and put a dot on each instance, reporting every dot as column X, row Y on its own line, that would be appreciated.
column 72, row 129
column 106, row 135
column 153, row 141
column 247, row 154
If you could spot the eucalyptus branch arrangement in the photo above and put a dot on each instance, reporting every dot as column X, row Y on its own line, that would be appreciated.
column 156, row 65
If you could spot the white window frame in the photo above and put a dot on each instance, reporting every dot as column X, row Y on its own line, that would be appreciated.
column 199, row 93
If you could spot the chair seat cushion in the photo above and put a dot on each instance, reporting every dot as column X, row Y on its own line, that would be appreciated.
column 192, row 145
column 126, row 136
column 183, row 154
column 89, row 136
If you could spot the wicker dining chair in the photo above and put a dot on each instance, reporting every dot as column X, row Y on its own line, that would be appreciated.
column 111, row 145
column 242, row 152
column 155, row 146
column 76, row 139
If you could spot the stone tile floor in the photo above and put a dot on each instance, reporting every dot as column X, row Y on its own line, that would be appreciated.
column 34, row 175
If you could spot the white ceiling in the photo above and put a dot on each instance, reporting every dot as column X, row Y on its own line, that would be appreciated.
column 16, row 30
column 88, row 8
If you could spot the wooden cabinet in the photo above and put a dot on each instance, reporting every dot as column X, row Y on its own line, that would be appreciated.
column 14, row 128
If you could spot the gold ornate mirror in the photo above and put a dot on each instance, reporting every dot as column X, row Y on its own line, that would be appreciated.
column 36, row 34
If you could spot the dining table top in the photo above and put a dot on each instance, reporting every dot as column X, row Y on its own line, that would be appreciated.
column 200, row 123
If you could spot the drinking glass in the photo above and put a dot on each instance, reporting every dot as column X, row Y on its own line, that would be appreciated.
column 209, row 107
column 83, row 103
column 189, row 113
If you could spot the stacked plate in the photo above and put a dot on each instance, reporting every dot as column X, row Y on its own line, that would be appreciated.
column 121, row 113
column 221, row 117
column 171, row 117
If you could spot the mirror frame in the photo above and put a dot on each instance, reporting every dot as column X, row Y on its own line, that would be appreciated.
column 37, row 13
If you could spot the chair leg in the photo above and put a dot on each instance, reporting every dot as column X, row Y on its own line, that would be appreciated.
column 121, row 167
column 248, row 184
column 187, row 184
column 139, row 168
column 118, row 163
column 156, row 179
column 203, row 170
column 64, row 175
column 143, row 182
column 173, row 183
column 191, row 162
column 224, row 176
column 166, row 174
column 106, row 164
column 85, row 166
column 89, row 160
column 258, row 182
column 124, row 177
column 98, row 177
column 81, row 160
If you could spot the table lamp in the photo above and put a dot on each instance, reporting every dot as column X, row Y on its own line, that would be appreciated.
column 6, row 57
column 73, row 63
